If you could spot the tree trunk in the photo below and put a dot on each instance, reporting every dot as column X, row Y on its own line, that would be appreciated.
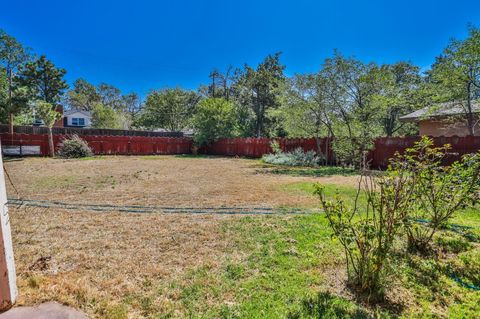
column 50, row 142
column 10, row 123
column 10, row 111
column 470, row 120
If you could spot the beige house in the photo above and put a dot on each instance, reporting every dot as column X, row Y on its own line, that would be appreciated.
column 447, row 119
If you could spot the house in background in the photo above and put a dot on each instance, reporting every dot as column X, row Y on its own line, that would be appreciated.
column 447, row 119
column 77, row 118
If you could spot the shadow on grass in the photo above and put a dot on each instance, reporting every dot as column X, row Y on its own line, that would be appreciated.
column 326, row 305
column 310, row 171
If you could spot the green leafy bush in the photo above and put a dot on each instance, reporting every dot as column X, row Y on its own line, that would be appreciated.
column 74, row 147
column 295, row 158
column 367, row 230
column 439, row 191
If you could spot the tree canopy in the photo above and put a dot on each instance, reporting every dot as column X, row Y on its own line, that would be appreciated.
column 214, row 119
column 44, row 80
column 170, row 109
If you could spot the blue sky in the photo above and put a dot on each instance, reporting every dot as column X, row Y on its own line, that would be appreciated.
column 142, row 45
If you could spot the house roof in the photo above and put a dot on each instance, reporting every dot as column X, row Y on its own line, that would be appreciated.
column 439, row 110
column 73, row 111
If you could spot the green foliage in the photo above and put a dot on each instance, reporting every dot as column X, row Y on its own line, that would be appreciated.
column 276, row 149
column 74, row 147
column 170, row 109
column 399, row 84
column 83, row 95
column 260, row 89
column 47, row 113
column 3, row 96
column 123, row 111
column 43, row 80
column 440, row 191
column 367, row 232
column 12, row 56
column 351, row 151
column 351, row 89
column 295, row 158
column 105, row 117
column 214, row 119
column 306, row 109
column 455, row 75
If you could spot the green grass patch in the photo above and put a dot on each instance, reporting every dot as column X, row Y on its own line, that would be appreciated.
column 282, row 266
column 53, row 181
column 345, row 193
column 310, row 171
column 90, row 158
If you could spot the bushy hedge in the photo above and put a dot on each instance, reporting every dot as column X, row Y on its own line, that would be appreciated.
column 296, row 158
column 74, row 147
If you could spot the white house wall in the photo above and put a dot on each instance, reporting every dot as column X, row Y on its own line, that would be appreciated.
column 80, row 116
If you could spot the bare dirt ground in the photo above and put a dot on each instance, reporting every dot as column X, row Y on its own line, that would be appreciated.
column 93, row 261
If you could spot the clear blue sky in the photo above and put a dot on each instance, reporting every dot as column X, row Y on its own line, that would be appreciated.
column 141, row 45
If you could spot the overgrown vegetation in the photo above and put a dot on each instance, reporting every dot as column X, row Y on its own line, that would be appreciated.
column 74, row 147
column 414, row 198
column 440, row 190
column 367, row 233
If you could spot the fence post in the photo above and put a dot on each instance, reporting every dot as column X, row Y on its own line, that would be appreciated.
column 8, row 285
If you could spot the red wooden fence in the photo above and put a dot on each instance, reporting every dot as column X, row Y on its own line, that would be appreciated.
column 257, row 147
column 384, row 149
column 107, row 145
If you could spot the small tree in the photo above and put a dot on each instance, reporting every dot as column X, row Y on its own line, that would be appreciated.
column 45, row 112
column 214, row 119
column 367, row 231
column 439, row 191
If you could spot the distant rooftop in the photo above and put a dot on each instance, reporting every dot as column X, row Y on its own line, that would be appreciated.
column 440, row 110
column 73, row 111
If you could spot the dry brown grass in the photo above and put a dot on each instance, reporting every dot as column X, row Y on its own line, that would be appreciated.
column 162, row 180
column 75, row 258
column 94, row 261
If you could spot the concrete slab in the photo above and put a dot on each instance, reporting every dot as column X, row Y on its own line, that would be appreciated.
column 49, row 310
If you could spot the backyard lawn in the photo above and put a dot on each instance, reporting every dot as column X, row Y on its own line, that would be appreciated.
column 114, row 264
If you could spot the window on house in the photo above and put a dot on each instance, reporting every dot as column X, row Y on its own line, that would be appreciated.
column 78, row 121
